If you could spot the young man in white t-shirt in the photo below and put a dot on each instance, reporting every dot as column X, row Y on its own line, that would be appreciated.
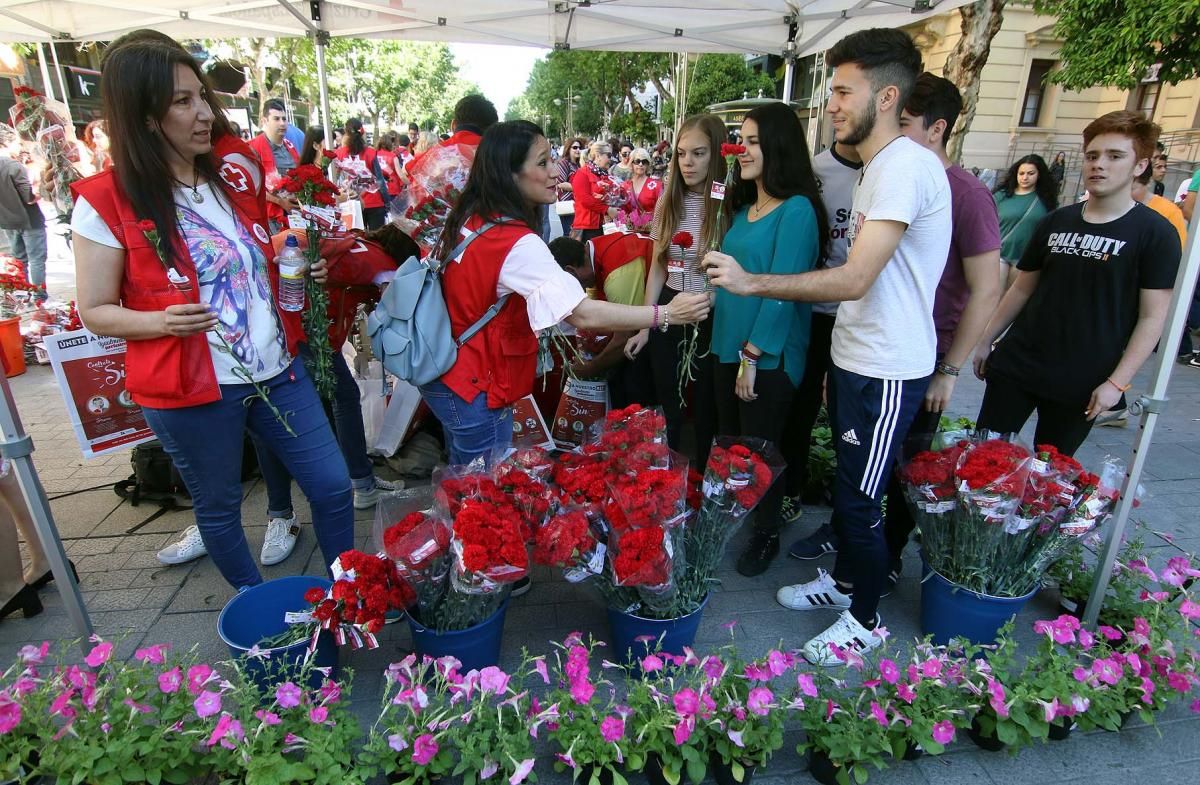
column 884, row 343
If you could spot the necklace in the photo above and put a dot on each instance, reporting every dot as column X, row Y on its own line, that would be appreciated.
column 758, row 210
column 863, row 172
column 195, row 195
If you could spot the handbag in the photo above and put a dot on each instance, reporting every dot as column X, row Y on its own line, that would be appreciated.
column 566, row 207
column 410, row 327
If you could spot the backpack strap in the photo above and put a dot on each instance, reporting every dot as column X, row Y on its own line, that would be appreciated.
column 488, row 315
column 462, row 245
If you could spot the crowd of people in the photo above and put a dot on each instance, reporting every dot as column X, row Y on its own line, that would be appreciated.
column 813, row 280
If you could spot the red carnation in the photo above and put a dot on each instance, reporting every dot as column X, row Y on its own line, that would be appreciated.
column 732, row 149
column 146, row 225
column 682, row 239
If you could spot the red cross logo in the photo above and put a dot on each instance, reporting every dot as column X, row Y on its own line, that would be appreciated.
column 234, row 177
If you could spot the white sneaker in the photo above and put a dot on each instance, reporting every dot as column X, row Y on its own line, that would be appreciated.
column 845, row 634
column 280, row 540
column 820, row 593
column 188, row 547
column 365, row 499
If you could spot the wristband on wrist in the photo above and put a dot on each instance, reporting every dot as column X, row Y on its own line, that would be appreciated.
column 1119, row 387
column 947, row 370
column 666, row 321
column 748, row 352
column 748, row 359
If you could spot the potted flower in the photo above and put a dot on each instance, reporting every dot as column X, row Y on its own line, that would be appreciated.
column 1060, row 683
column 669, row 708
column 491, row 734
column 590, row 729
column 747, row 726
column 1010, row 715
column 930, row 695
column 408, row 742
column 846, row 729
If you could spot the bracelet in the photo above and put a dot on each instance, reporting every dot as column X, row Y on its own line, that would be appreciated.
column 654, row 323
column 1119, row 387
column 750, row 353
column 666, row 321
column 947, row 370
column 748, row 359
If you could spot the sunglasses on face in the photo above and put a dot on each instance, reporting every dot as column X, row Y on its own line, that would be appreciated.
column 641, row 162
column 574, row 147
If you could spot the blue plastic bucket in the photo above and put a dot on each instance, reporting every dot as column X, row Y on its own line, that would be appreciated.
column 950, row 611
column 257, row 613
column 626, row 629
column 475, row 647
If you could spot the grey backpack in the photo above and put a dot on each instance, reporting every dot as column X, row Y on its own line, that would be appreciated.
column 410, row 328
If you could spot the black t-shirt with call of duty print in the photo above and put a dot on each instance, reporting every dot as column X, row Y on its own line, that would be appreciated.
column 1073, row 330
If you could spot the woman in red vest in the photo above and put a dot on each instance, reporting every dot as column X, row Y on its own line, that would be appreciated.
column 171, row 258
column 511, row 178
column 587, row 185
column 361, row 164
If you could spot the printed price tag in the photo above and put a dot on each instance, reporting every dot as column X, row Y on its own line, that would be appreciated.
column 938, row 507
column 297, row 617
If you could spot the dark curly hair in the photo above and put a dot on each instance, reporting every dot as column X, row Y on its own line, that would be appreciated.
column 1046, row 188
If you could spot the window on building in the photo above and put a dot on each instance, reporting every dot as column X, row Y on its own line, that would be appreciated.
column 1147, row 98
column 1035, row 92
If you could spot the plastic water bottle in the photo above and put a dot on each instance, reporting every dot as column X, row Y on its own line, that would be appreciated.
column 291, row 276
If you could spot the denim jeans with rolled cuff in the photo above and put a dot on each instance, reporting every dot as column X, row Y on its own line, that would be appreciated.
column 351, row 436
column 472, row 429
column 205, row 442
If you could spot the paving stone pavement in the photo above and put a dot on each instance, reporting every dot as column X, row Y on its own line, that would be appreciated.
column 139, row 601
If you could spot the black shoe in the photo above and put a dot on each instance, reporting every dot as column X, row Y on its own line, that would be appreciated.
column 49, row 576
column 757, row 557
column 893, row 578
column 814, row 546
column 520, row 586
column 26, row 601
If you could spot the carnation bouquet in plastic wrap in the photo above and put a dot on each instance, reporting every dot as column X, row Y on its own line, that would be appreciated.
column 436, row 180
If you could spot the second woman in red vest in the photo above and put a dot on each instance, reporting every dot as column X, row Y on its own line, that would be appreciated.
column 176, row 262
column 511, row 178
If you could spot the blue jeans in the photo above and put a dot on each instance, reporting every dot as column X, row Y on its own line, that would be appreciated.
column 205, row 442
column 544, row 230
column 351, row 437
column 29, row 247
column 472, row 429
column 869, row 418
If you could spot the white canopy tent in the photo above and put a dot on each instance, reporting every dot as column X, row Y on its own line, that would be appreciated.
column 792, row 28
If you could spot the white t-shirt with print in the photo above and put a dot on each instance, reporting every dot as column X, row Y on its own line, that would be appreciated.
column 838, row 178
column 233, row 280
column 889, row 333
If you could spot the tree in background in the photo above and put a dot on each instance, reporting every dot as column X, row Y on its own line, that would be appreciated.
column 1115, row 42
column 724, row 77
column 981, row 21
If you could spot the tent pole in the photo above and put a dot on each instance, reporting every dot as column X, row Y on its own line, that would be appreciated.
column 62, row 85
column 1150, row 406
column 321, row 39
column 16, row 445
column 789, row 60
column 47, row 85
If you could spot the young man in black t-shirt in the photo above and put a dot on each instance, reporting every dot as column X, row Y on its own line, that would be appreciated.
column 1090, row 299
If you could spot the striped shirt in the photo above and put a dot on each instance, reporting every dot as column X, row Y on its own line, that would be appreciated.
column 689, row 279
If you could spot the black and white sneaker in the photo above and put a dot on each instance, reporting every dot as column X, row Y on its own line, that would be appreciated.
column 893, row 578
column 816, row 594
column 791, row 510
column 815, row 545
column 845, row 635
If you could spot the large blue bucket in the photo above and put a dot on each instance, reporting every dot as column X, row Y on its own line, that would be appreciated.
column 626, row 629
column 950, row 611
column 475, row 647
column 257, row 613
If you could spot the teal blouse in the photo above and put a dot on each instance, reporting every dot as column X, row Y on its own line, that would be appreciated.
column 783, row 242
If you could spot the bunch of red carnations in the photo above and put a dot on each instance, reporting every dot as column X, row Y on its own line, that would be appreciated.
column 365, row 589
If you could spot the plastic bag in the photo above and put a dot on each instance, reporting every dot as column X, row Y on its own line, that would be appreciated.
column 571, row 541
column 488, row 548
column 641, row 557
column 638, row 434
column 372, row 401
column 642, row 495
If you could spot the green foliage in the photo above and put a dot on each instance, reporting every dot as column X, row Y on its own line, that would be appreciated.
column 724, row 77
column 822, row 459
column 1114, row 42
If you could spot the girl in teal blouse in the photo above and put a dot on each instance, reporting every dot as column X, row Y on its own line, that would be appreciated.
column 779, row 226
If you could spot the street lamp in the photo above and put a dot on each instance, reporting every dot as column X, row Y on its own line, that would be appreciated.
column 569, row 120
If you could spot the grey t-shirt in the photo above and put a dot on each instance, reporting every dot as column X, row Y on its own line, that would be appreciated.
column 284, row 162
column 889, row 333
column 837, row 177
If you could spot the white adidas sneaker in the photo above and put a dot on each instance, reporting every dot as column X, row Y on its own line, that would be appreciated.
column 820, row 593
column 280, row 540
column 846, row 635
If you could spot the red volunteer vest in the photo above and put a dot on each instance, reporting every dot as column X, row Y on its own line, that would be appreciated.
column 388, row 164
column 501, row 359
column 170, row 372
column 229, row 149
column 369, row 199
column 262, row 146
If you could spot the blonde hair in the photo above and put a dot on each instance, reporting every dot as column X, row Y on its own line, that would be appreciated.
column 640, row 152
column 595, row 147
column 669, row 212
column 426, row 140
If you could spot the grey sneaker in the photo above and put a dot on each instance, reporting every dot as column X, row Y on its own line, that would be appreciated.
column 1117, row 419
column 368, row 498
column 279, row 541
column 791, row 510
column 188, row 547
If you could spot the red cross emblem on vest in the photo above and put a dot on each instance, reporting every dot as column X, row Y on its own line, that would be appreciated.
column 234, row 177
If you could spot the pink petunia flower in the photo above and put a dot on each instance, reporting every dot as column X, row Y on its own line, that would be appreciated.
column 197, row 677
column 267, row 717
column 331, row 691
column 99, row 654
column 318, row 714
column 582, row 691
column 879, row 714
column 888, row 671
column 228, row 733
column 10, row 713
column 539, row 667
column 906, row 693
column 777, row 662
column 521, row 772
column 288, row 695
column 943, row 732
column 493, row 680
column 612, row 729
column 687, row 702
column 397, row 742
column 152, row 654
column 683, row 730
column 207, row 703
column 807, row 685
column 759, row 701
column 170, row 681
column 652, row 663
column 425, row 747
column 34, row 655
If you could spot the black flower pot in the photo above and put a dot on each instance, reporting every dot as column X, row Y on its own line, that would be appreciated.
column 821, row 767
column 1060, row 730
column 989, row 743
column 654, row 771
column 913, row 752
column 723, row 772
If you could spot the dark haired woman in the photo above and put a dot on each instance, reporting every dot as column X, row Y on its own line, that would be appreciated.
column 312, row 149
column 194, row 299
column 1025, row 195
column 492, row 234
column 760, row 344
column 362, row 162
column 568, row 165
column 389, row 163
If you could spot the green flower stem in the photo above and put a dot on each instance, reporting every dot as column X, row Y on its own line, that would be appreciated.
column 316, row 323
column 260, row 392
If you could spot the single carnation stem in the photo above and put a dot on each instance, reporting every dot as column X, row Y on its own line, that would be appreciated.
column 260, row 392
column 316, row 324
